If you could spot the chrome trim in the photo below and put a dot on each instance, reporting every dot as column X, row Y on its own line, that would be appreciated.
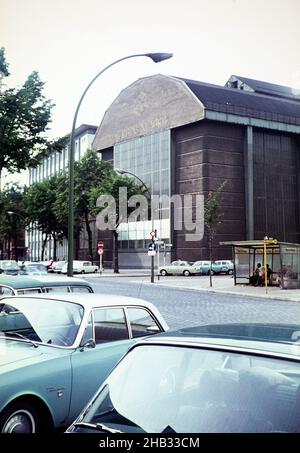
column 217, row 347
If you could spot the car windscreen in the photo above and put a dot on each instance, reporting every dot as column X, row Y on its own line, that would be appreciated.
column 191, row 390
column 49, row 321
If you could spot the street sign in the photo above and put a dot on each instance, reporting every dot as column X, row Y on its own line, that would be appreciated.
column 100, row 251
column 152, row 247
column 159, row 243
column 152, row 233
column 100, row 244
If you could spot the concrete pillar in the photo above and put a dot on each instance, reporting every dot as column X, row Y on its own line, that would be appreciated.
column 249, row 184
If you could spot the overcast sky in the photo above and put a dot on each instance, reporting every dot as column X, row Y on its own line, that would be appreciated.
column 69, row 41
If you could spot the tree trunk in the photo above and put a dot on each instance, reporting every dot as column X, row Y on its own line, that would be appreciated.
column 210, row 259
column 116, row 252
column 54, row 247
column 8, row 249
column 43, row 247
column 90, row 235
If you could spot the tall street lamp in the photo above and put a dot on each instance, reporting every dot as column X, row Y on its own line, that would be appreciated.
column 156, row 58
column 125, row 172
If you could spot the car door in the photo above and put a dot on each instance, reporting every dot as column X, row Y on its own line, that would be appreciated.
column 91, row 365
column 177, row 268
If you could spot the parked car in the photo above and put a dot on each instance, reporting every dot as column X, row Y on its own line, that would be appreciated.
column 55, row 351
column 205, row 267
column 227, row 266
column 211, row 379
column 57, row 266
column 9, row 267
column 19, row 285
column 81, row 267
column 178, row 268
column 33, row 269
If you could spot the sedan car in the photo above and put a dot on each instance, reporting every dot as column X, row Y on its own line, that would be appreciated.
column 56, row 351
column 178, row 268
column 9, row 267
column 210, row 379
column 33, row 269
column 81, row 267
column 19, row 285
column 206, row 267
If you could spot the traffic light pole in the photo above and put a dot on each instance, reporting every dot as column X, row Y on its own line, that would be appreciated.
column 152, row 263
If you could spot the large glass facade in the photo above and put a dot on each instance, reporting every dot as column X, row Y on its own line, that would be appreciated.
column 148, row 157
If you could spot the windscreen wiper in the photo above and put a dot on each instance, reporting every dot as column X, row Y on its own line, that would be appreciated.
column 16, row 334
column 98, row 427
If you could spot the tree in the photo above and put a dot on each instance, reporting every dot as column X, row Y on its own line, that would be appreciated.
column 111, row 187
column 24, row 116
column 89, row 172
column 212, row 218
column 11, row 225
column 39, row 201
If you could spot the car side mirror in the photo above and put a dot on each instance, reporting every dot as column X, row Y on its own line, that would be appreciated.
column 90, row 343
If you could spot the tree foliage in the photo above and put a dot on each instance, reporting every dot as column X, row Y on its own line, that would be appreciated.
column 112, row 187
column 24, row 116
column 11, row 225
column 213, row 216
column 39, row 201
column 89, row 172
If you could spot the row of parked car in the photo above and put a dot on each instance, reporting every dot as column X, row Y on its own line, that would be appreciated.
column 187, row 268
column 11, row 267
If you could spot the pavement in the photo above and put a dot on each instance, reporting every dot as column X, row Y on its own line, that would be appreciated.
column 223, row 284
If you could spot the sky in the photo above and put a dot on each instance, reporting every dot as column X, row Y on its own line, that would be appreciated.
column 69, row 41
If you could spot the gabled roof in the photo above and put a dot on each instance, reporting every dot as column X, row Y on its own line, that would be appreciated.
column 271, row 89
column 84, row 129
column 245, row 103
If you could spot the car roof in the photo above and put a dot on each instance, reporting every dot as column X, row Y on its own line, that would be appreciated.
column 92, row 299
column 268, row 339
column 23, row 281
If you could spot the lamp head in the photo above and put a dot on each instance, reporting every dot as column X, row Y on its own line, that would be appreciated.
column 157, row 57
column 121, row 172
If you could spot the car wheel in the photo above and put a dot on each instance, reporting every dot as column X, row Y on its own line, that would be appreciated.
column 211, row 272
column 19, row 418
column 163, row 272
column 83, row 271
column 230, row 272
column 186, row 273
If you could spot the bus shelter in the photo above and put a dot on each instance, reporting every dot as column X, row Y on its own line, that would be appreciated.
column 282, row 257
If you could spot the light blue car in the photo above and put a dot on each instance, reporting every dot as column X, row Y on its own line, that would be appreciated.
column 56, row 351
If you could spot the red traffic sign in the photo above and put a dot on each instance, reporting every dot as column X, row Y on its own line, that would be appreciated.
column 100, row 251
column 152, row 233
column 100, row 244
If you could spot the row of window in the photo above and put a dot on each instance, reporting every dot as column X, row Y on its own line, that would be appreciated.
column 58, row 162
column 110, row 324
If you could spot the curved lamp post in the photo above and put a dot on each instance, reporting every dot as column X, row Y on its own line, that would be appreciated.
column 17, row 214
column 156, row 58
column 125, row 172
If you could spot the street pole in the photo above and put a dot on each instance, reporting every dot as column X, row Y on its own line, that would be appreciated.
column 265, row 263
column 17, row 214
column 156, row 58
column 124, row 172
